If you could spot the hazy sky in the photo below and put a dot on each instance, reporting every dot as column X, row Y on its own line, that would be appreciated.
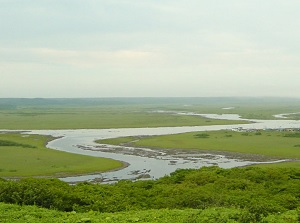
column 109, row 48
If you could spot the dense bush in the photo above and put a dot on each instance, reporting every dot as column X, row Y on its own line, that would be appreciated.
column 259, row 192
column 11, row 143
column 32, row 214
column 293, row 135
column 201, row 135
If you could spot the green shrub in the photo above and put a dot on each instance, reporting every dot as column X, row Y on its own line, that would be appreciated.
column 260, row 192
column 292, row 135
column 202, row 135
column 11, row 143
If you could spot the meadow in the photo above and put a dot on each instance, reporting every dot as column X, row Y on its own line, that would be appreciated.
column 269, row 143
column 16, row 114
column 92, row 118
column 277, row 144
column 26, row 155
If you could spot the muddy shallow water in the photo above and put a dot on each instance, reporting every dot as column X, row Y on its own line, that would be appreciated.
column 146, row 163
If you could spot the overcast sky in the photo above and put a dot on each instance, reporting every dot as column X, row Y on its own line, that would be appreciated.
column 149, row 48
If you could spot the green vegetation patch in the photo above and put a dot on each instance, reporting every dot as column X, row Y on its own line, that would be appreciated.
column 135, row 112
column 202, row 135
column 97, row 118
column 209, row 194
column 292, row 135
column 103, row 113
column 10, row 143
column 26, row 155
column 269, row 143
column 32, row 214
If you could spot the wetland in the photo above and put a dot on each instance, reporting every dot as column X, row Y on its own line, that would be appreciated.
column 76, row 128
column 149, row 162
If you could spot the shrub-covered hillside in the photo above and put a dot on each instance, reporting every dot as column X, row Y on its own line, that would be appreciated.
column 254, row 192
column 31, row 214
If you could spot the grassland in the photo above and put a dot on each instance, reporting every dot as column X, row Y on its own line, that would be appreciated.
column 268, row 143
column 134, row 112
column 93, row 118
column 249, row 108
column 26, row 155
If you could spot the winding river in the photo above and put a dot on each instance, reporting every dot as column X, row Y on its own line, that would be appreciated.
column 145, row 163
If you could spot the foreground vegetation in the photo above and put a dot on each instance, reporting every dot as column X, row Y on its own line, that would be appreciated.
column 26, row 155
column 31, row 214
column 268, row 143
column 215, row 195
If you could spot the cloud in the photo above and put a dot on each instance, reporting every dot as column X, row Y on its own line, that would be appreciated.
column 144, row 48
column 77, row 58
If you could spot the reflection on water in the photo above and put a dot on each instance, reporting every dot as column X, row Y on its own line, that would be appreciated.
column 146, row 163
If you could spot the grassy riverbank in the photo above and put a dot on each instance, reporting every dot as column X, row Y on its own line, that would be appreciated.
column 267, row 143
column 26, row 155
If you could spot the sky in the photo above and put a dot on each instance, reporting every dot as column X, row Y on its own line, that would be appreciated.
column 149, row 48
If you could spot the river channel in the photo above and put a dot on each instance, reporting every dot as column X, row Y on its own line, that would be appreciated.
column 145, row 163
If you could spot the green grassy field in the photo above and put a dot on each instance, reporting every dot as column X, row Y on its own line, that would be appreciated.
column 269, row 143
column 123, row 116
column 133, row 112
column 249, row 108
column 92, row 118
column 26, row 155
column 254, row 111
